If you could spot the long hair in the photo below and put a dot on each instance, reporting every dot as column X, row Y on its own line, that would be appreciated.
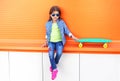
column 52, row 9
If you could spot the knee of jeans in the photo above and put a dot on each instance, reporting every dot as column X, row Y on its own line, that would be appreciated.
column 59, row 53
column 51, row 49
column 51, row 55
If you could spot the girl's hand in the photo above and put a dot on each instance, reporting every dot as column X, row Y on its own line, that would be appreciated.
column 75, row 38
column 44, row 45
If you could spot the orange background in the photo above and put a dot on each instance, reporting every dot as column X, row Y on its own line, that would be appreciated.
column 25, row 19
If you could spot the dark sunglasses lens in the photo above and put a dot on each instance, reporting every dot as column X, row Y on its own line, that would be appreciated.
column 57, row 15
column 53, row 14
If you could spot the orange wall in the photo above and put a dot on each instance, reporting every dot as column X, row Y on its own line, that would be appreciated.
column 25, row 19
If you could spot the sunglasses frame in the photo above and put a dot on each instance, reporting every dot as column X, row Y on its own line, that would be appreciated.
column 53, row 15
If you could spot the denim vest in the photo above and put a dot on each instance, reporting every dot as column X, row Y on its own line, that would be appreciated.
column 63, row 30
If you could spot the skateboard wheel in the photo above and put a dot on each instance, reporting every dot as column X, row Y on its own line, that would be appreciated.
column 105, row 45
column 80, row 45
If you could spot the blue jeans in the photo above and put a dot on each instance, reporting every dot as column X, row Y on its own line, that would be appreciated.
column 55, row 47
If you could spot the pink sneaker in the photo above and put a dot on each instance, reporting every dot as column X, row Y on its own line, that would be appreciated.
column 54, row 74
column 51, row 69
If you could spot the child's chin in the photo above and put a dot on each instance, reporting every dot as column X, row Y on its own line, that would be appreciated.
column 55, row 19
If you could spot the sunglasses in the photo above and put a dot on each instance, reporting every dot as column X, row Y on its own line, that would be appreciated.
column 56, row 15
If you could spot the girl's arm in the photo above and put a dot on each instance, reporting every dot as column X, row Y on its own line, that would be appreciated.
column 66, row 30
column 74, row 38
column 45, row 44
column 69, row 33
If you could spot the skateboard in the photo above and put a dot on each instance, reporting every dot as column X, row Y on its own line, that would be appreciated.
column 94, row 40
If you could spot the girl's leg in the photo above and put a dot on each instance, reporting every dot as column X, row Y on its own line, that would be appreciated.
column 59, row 50
column 51, row 47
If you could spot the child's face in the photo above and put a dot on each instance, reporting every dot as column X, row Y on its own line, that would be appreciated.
column 55, row 15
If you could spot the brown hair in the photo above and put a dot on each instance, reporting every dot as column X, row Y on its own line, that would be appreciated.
column 52, row 9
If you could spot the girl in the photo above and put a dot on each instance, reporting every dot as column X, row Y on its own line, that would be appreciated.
column 55, row 38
